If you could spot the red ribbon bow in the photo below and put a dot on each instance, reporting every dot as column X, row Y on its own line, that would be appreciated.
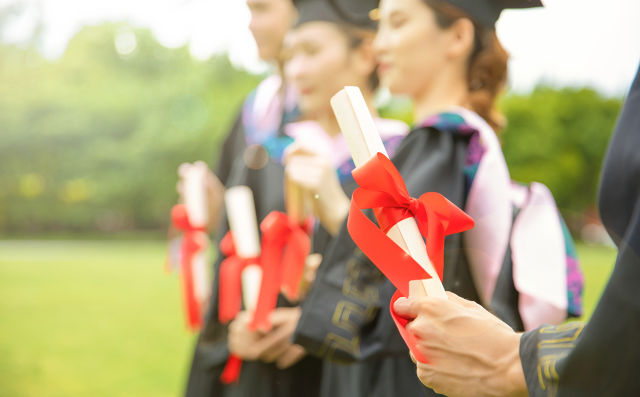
column 230, row 280
column 192, row 243
column 284, row 248
column 382, row 189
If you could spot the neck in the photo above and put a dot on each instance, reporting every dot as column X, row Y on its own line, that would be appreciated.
column 327, row 118
column 445, row 92
column 328, row 122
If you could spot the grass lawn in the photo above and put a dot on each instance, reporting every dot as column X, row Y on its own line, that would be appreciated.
column 90, row 319
column 101, row 318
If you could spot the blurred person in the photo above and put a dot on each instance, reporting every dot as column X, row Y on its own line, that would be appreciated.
column 254, row 136
column 264, row 111
column 473, row 353
column 446, row 57
column 323, row 53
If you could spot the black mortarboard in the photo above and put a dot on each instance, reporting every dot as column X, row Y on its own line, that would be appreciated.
column 487, row 12
column 351, row 12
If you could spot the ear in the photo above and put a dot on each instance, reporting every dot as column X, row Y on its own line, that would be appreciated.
column 364, row 58
column 461, row 38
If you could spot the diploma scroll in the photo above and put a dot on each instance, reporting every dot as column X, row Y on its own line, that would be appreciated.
column 195, row 196
column 364, row 142
column 244, row 230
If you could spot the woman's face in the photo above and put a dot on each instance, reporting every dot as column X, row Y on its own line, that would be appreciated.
column 319, row 63
column 270, row 21
column 410, row 46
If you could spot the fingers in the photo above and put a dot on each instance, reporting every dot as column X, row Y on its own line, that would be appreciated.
column 285, row 316
column 297, row 149
column 305, row 171
column 183, row 169
column 404, row 308
column 291, row 356
column 273, row 344
column 312, row 264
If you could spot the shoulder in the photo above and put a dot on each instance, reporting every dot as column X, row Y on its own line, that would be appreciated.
column 456, row 121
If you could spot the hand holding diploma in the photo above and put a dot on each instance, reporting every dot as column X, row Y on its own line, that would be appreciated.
column 317, row 178
column 397, row 247
column 471, row 352
column 240, row 273
column 273, row 346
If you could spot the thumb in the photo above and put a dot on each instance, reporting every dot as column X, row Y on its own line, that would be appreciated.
column 404, row 308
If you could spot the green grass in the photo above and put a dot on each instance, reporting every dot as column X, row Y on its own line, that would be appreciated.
column 90, row 319
column 597, row 265
column 101, row 318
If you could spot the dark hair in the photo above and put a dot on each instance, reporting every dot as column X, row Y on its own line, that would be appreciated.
column 355, row 37
column 487, row 67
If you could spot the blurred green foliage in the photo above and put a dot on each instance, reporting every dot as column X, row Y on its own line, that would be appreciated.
column 559, row 137
column 91, row 141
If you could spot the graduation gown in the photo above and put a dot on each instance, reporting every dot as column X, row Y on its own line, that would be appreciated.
column 601, row 357
column 211, row 352
column 259, row 168
column 345, row 318
column 249, row 156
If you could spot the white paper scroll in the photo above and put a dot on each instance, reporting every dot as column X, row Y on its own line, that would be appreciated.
column 364, row 142
column 195, row 196
column 241, row 212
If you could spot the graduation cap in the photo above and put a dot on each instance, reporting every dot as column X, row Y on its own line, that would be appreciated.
column 487, row 12
column 350, row 12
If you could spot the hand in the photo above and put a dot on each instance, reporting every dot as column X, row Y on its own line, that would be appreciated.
column 471, row 352
column 277, row 343
column 273, row 346
column 316, row 175
column 214, row 191
column 242, row 341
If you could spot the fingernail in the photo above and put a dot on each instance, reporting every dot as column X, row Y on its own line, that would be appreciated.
column 401, row 305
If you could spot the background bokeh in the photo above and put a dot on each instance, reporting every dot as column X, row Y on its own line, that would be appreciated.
column 90, row 139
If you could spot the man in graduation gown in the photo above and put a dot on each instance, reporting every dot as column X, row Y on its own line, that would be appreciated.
column 474, row 354
column 247, row 158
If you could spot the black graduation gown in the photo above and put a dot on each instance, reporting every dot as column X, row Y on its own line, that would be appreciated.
column 602, row 357
column 211, row 352
column 345, row 319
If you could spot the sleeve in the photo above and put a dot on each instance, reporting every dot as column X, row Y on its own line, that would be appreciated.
column 602, row 356
column 346, row 316
column 542, row 352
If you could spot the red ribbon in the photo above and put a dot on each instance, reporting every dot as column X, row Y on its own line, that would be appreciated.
column 230, row 280
column 285, row 246
column 383, row 190
column 231, row 371
column 192, row 243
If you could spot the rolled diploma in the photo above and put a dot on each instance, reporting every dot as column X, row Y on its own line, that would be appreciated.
column 296, row 201
column 201, row 277
column 364, row 142
column 241, row 212
column 195, row 198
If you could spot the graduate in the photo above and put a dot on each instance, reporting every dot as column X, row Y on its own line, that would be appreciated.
column 254, row 136
column 324, row 52
column 599, row 358
column 446, row 57
column 256, row 131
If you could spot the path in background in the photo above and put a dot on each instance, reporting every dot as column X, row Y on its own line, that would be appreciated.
column 102, row 318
